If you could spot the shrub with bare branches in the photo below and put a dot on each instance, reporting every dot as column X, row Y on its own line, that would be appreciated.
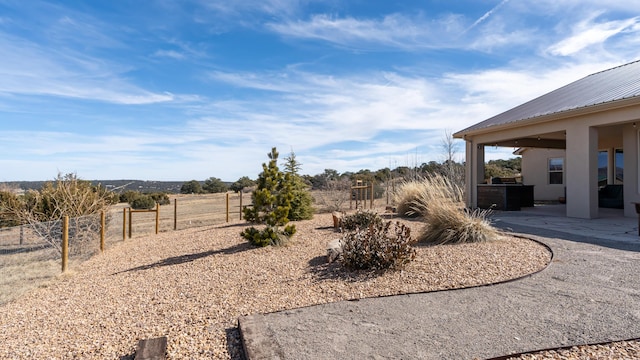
column 378, row 247
column 66, row 196
column 334, row 194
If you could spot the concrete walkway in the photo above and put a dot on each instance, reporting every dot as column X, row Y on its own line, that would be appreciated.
column 590, row 293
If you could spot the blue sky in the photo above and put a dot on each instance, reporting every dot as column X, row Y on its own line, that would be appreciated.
column 181, row 90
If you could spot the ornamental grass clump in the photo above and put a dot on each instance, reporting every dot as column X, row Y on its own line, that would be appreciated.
column 405, row 195
column 441, row 204
column 378, row 247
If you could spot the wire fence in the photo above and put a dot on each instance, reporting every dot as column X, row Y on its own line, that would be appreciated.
column 32, row 253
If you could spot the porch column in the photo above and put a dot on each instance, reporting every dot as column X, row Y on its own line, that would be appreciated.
column 631, row 184
column 474, row 171
column 581, row 172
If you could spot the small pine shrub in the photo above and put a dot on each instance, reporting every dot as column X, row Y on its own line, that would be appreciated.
column 271, row 206
column 359, row 220
column 289, row 230
column 301, row 205
column 143, row 202
column 270, row 235
column 374, row 248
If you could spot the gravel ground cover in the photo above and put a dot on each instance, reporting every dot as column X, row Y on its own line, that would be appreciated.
column 192, row 285
column 620, row 350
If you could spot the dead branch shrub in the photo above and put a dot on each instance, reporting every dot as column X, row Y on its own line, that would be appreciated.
column 375, row 248
column 334, row 194
column 361, row 219
column 440, row 202
column 66, row 196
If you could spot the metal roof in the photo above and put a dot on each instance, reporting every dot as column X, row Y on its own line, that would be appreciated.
column 618, row 83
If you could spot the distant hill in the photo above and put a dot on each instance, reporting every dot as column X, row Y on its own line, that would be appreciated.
column 116, row 185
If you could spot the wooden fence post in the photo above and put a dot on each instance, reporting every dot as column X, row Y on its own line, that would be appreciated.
column 350, row 197
column 124, row 224
column 175, row 214
column 102, row 229
column 65, row 242
column 240, row 192
column 130, row 223
column 371, row 205
column 227, row 207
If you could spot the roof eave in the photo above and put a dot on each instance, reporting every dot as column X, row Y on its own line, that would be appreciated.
column 550, row 117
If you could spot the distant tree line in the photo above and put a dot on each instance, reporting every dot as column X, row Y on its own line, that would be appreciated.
column 448, row 168
column 503, row 168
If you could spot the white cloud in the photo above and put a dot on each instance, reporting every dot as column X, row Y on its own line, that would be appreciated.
column 370, row 121
column 27, row 68
column 588, row 33
column 272, row 7
column 169, row 54
column 394, row 30
column 486, row 15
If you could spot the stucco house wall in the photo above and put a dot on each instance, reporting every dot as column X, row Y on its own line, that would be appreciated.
column 598, row 112
column 535, row 171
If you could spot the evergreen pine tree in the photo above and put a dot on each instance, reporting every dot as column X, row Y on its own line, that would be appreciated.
column 271, row 205
column 302, row 201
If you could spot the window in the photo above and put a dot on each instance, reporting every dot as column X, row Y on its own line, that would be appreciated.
column 619, row 166
column 556, row 167
column 603, row 167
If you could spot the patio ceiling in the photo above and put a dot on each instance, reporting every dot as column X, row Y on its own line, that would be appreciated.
column 532, row 143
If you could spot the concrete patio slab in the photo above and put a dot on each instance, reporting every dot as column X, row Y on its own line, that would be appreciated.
column 590, row 293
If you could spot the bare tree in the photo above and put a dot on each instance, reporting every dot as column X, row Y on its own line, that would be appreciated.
column 452, row 170
column 334, row 194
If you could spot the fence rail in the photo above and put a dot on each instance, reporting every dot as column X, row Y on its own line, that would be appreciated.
column 27, row 258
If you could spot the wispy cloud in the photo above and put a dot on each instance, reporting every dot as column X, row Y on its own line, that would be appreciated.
column 485, row 16
column 386, row 105
column 394, row 30
column 28, row 68
column 169, row 54
column 589, row 33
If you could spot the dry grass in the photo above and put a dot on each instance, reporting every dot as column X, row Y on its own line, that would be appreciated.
column 192, row 211
column 405, row 195
column 30, row 263
column 23, row 272
column 440, row 202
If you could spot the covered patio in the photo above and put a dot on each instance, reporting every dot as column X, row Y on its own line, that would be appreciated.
column 592, row 120
column 610, row 225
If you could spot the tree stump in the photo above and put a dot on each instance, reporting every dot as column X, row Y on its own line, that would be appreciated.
column 337, row 220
